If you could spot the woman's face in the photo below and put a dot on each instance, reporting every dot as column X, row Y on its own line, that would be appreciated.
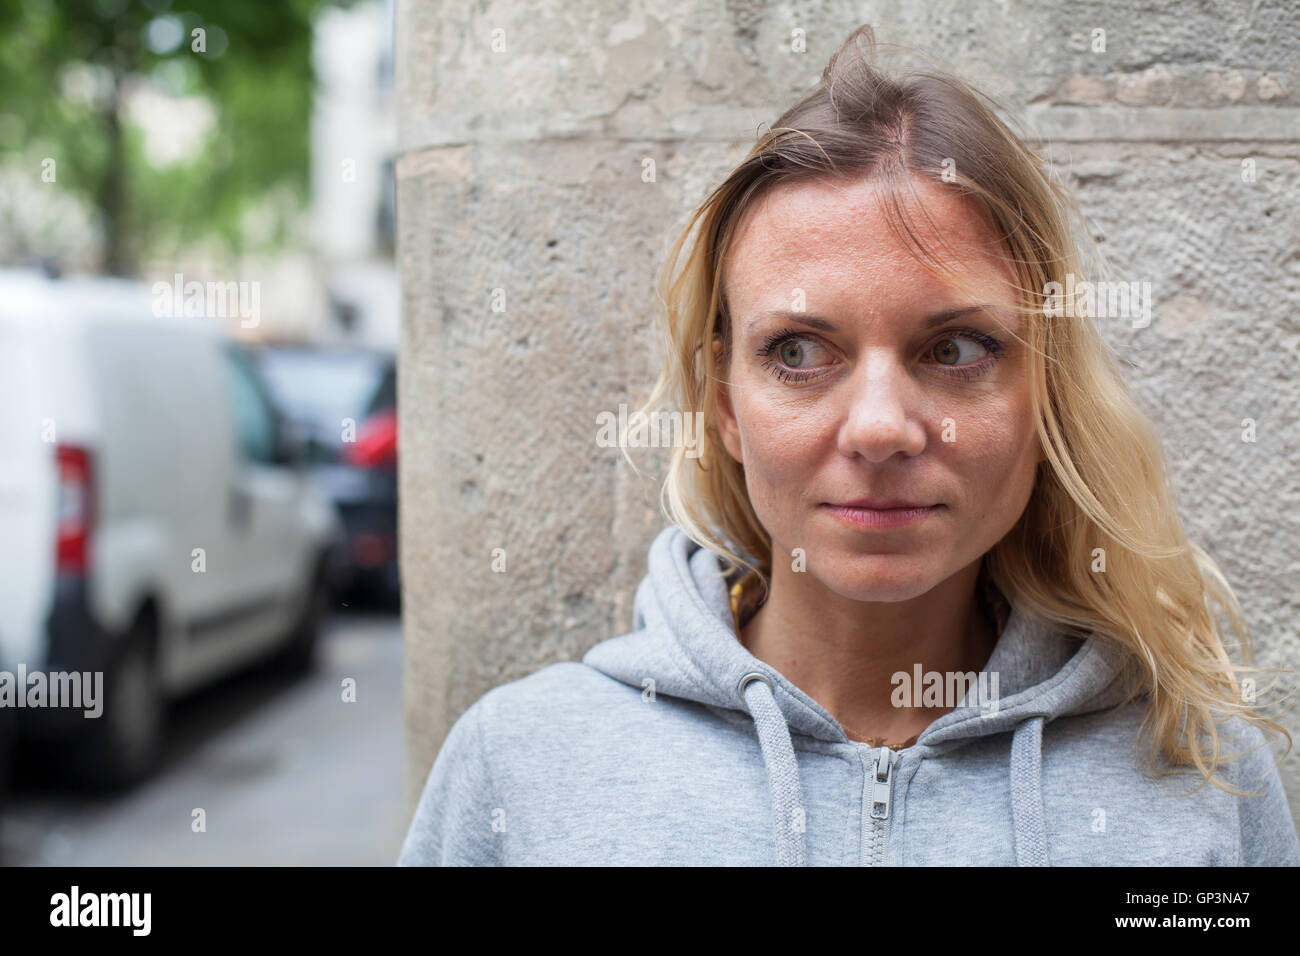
column 883, row 385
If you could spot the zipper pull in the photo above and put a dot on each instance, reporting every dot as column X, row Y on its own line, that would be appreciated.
column 884, row 784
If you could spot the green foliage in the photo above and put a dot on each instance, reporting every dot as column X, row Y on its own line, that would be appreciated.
column 256, row 74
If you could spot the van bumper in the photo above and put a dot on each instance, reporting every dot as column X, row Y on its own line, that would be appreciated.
column 76, row 643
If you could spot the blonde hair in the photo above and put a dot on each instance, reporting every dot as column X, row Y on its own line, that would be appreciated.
column 1104, row 482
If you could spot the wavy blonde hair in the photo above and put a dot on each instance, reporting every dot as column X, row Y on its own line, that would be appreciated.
column 1104, row 482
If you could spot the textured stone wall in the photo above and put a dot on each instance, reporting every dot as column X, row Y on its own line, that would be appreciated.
column 529, row 241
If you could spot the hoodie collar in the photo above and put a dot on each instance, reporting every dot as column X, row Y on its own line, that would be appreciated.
column 684, row 640
column 685, row 643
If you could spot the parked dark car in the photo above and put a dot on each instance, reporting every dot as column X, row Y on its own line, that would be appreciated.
column 342, row 404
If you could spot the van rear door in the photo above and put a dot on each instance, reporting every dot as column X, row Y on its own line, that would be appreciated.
column 28, row 485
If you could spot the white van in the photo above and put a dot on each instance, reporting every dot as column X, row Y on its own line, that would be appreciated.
column 153, row 525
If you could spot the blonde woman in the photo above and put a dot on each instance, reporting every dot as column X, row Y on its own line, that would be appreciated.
column 925, row 597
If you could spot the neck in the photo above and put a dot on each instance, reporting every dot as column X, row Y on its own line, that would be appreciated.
column 844, row 653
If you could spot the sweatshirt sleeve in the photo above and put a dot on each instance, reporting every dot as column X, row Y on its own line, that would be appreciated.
column 1268, row 831
column 453, row 822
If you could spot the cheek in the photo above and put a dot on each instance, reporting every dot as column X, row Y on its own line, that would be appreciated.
column 784, row 445
column 781, row 439
column 994, row 457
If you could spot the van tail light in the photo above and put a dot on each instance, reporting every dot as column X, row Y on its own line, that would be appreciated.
column 376, row 444
column 75, row 508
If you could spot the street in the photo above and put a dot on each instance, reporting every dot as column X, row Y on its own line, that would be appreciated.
column 284, row 772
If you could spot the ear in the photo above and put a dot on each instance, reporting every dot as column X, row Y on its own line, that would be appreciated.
column 727, row 427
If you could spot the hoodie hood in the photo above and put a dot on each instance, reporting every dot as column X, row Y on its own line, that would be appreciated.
column 684, row 639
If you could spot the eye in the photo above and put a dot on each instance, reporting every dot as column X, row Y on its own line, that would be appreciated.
column 793, row 356
column 947, row 352
column 799, row 353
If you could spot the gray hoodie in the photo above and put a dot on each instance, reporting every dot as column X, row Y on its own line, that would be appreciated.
column 673, row 745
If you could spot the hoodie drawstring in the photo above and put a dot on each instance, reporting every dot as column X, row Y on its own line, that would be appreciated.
column 1027, row 814
column 1027, row 793
column 755, row 690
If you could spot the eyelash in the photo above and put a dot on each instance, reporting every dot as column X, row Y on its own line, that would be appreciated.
column 966, row 372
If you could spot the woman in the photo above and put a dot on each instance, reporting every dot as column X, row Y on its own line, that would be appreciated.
column 925, row 594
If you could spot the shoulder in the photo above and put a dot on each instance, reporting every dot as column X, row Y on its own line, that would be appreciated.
column 553, row 711
column 571, row 722
column 1265, row 821
column 554, row 694
column 1245, row 754
column 510, row 747
column 1249, row 759
column 531, row 715
column 1245, row 746
column 1251, row 828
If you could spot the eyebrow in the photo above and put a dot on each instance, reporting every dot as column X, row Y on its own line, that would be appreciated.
column 825, row 325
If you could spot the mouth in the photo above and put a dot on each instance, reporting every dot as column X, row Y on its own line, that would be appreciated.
column 872, row 504
column 864, row 513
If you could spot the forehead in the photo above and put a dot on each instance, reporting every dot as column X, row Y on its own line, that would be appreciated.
column 834, row 238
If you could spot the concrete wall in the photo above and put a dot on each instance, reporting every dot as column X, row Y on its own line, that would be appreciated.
column 521, row 171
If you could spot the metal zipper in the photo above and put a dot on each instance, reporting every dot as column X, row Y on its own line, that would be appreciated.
column 877, row 796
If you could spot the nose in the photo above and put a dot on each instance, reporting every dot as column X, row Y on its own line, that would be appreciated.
column 881, row 417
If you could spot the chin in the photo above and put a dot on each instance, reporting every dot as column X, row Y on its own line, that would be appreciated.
column 878, row 578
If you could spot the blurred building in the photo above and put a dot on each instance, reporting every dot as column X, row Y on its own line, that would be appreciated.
column 354, row 139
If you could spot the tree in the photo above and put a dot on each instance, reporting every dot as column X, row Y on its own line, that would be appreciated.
column 67, row 67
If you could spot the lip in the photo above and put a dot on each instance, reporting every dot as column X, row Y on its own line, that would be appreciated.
column 887, row 516
column 880, row 505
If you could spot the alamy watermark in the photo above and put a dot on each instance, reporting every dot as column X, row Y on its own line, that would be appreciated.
column 948, row 689
column 76, row 689
column 656, row 430
column 1101, row 300
column 209, row 300
column 77, row 908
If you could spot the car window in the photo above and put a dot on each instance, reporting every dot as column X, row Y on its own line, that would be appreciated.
column 385, row 396
column 320, row 390
column 254, row 421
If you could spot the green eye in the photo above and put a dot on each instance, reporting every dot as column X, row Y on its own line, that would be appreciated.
column 792, row 356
